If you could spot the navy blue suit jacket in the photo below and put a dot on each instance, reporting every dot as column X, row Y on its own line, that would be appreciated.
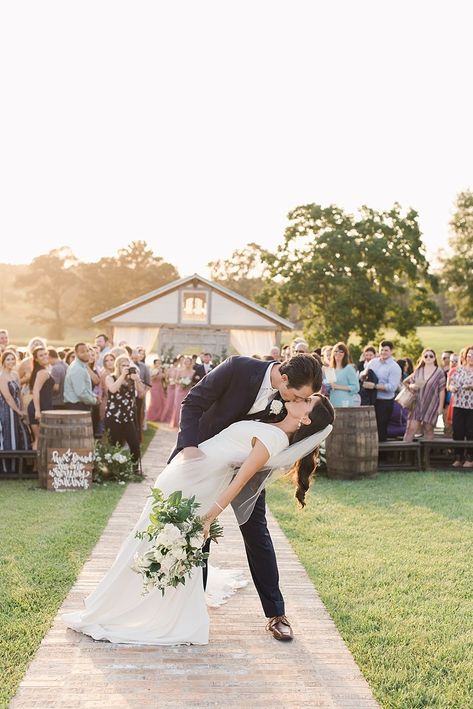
column 223, row 396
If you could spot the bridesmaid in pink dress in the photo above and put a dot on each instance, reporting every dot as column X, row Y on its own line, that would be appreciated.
column 184, row 381
column 170, row 377
column 157, row 396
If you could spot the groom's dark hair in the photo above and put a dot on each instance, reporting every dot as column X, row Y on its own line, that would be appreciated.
column 303, row 370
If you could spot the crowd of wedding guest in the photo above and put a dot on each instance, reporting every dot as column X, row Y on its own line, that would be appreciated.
column 120, row 389
column 440, row 389
column 123, row 388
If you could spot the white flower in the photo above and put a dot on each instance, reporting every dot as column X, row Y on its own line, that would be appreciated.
column 169, row 535
column 179, row 553
column 142, row 562
column 107, row 456
column 276, row 407
column 158, row 555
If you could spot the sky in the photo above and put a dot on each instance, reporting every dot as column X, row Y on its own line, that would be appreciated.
column 197, row 126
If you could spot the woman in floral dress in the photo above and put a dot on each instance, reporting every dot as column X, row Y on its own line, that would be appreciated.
column 123, row 387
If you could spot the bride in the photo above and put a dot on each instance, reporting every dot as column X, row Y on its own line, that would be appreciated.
column 116, row 610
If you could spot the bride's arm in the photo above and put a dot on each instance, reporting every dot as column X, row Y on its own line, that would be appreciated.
column 257, row 458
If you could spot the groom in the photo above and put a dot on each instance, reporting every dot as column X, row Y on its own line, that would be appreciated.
column 243, row 388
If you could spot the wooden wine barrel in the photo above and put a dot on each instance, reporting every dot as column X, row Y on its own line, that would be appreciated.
column 66, row 436
column 352, row 447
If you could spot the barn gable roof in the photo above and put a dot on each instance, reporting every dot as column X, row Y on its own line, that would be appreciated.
column 195, row 279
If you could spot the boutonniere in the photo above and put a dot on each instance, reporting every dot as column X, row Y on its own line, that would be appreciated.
column 276, row 407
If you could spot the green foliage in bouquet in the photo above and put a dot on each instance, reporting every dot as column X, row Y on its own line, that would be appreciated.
column 113, row 463
column 176, row 535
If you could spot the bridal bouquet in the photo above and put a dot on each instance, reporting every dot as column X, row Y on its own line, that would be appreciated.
column 176, row 535
column 185, row 382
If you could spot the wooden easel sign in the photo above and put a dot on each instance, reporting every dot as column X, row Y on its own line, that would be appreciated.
column 69, row 469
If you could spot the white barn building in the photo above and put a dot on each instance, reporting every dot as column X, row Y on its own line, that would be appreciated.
column 194, row 314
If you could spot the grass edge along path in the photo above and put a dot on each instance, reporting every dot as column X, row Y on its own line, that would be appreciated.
column 44, row 541
column 391, row 560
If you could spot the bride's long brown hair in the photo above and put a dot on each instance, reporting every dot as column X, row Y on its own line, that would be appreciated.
column 303, row 470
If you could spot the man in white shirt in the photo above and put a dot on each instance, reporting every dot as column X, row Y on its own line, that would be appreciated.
column 389, row 378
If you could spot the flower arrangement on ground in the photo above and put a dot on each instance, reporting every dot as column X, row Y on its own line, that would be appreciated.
column 113, row 463
column 176, row 535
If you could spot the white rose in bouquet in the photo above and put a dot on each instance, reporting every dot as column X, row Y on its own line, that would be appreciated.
column 179, row 553
column 142, row 561
column 169, row 535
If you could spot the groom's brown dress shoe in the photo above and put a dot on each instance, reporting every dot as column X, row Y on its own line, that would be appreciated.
column 280, row 627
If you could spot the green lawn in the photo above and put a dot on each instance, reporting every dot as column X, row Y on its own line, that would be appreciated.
column 45, row 539
column 392, row 560
column 441, row 337
column 448, row 337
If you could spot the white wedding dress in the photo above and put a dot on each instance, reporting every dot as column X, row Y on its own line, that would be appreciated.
column 117, row 611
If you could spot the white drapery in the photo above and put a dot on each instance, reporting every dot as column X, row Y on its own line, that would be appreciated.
column 250, row 342
column 134, row 336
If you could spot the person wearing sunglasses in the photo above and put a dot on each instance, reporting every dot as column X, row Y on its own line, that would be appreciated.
column 428, row 382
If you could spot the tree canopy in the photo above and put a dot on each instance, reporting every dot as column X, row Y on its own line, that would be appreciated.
column 245, row 271
column 65, row 292
column 114, row 280
column 457, row 271
column 352, row 274
column 47, row 283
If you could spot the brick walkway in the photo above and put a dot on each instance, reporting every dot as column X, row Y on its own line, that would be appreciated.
column 242, row 666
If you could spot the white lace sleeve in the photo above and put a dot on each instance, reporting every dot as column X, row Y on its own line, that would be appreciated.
column 277, row 465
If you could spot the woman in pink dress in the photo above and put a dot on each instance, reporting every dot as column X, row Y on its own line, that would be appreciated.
column 170, row 379
column 157, row 396
column 185, row 379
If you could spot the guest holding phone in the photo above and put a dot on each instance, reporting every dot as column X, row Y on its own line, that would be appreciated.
column 124, row 386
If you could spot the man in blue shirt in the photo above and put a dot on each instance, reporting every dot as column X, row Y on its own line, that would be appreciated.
column 389, row 378
column 78, row 392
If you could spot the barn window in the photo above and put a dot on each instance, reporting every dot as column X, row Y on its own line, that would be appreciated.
column 194, row 306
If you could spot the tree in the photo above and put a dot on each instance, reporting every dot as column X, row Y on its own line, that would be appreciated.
column 114, row 280
column 48, row 282
column 244, row 272
column 352, row 275
column 457, row 269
